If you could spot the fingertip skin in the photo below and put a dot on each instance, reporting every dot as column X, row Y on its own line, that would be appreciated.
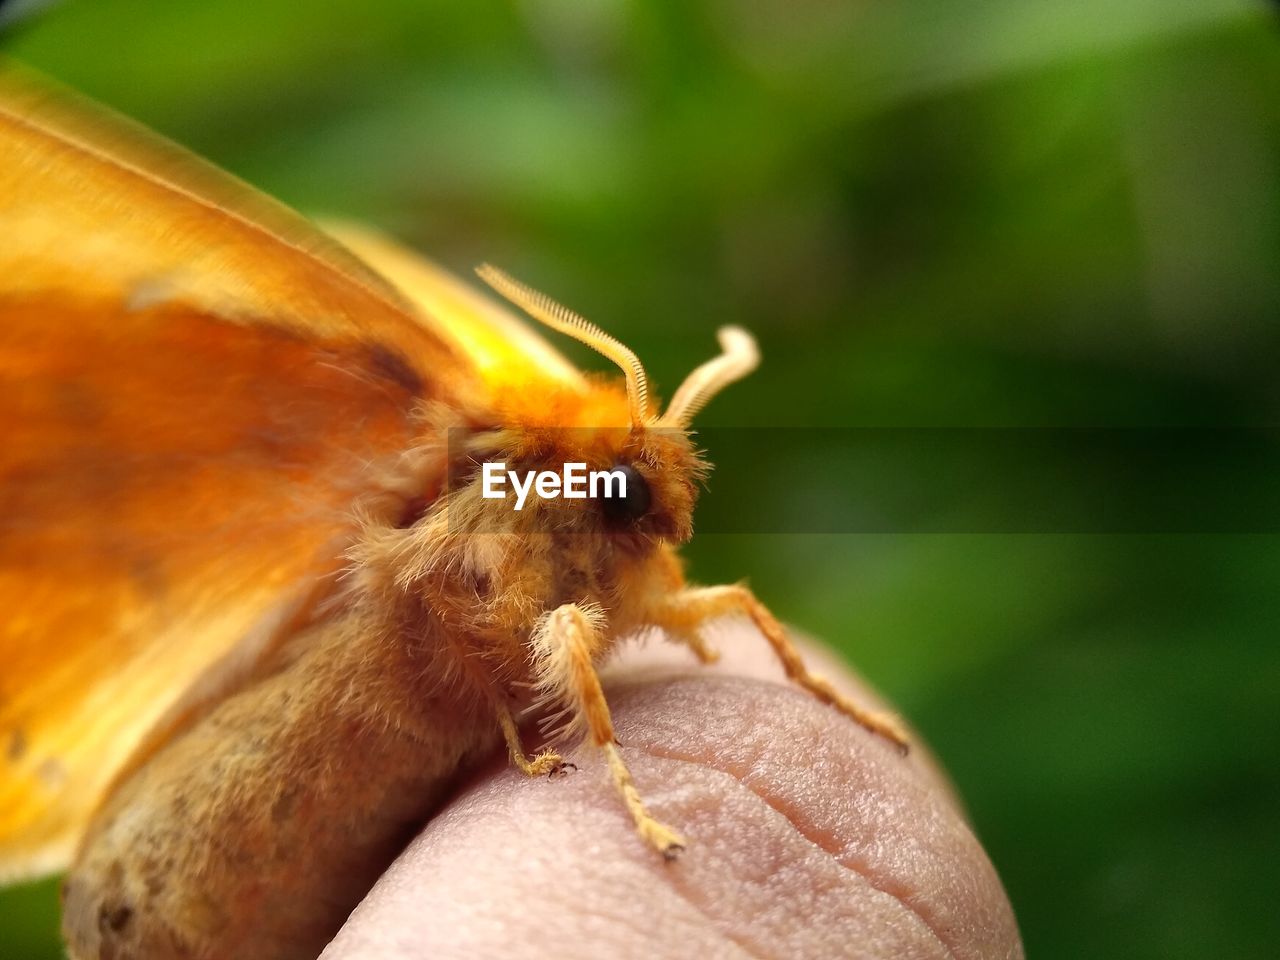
column 808, row 837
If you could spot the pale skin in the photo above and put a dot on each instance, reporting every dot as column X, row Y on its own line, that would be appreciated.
column 571, row 639
column 808, row 836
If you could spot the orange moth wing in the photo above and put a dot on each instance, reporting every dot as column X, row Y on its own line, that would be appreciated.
column 197, row 390
column 505, row 351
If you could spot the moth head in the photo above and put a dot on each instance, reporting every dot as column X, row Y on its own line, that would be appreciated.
column 654, row 450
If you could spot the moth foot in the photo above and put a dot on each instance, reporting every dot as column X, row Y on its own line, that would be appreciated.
column 888, row 726
column 547, row 762
column 561, row 770
column 662, row 838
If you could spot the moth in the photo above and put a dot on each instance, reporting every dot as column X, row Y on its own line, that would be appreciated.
column 257, row 615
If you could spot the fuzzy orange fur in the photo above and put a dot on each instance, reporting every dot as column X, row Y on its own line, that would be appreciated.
column 260, row 616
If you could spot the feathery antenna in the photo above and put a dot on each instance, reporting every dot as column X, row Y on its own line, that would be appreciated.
column 558, row 317
column 739, row 357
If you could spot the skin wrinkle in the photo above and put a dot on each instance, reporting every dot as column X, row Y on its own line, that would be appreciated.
column 745, row 656
column 671, row 874
column 931, row 784
column 910, row 790
column 531, row 870
column 825, row 839
column 479, row 809
column 855, row 869
column 672, row 877
column 831, row 850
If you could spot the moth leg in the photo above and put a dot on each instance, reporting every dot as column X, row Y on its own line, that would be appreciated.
column 548, row 761
column 695, row 641
column 564, row 647
column 688, row 610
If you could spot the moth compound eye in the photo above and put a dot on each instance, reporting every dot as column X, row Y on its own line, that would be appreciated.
column 635, row 504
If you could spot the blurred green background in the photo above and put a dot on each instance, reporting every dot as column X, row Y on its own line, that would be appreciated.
column 988, row 213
